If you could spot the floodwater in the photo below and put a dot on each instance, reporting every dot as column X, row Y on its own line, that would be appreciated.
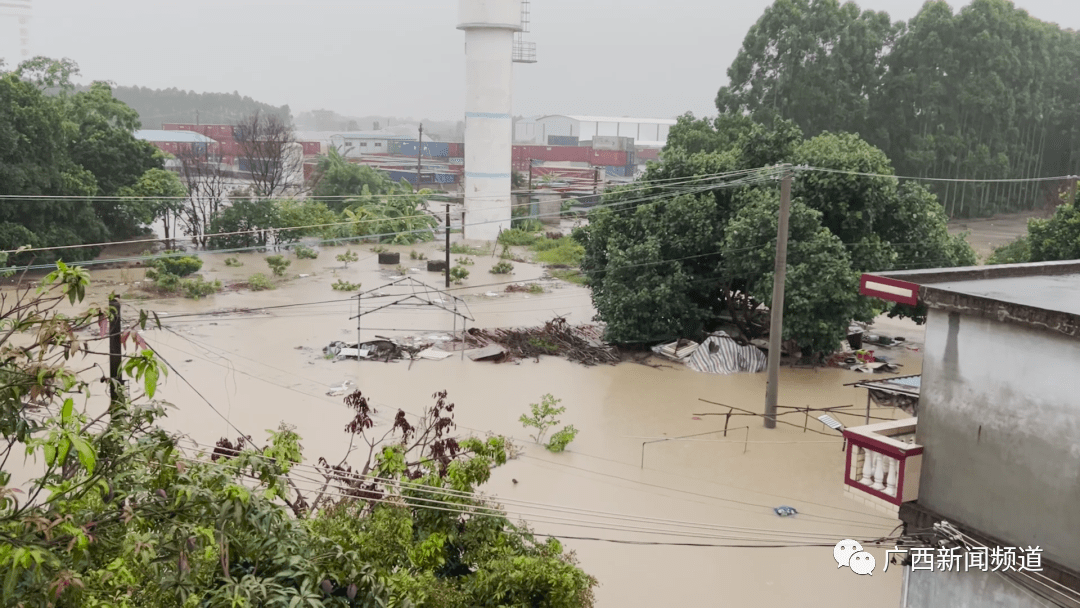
column 262, row 368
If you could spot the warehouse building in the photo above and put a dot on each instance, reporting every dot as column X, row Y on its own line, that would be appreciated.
column 560, row 129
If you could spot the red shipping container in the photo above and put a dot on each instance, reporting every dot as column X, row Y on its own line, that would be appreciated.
column 457, row 150
column 609, row 158
column 648, row 154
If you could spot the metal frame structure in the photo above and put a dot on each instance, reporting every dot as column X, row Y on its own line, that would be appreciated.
column 414, row 298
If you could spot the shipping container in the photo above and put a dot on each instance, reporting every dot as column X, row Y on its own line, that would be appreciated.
column 456, row 161
column 562, row 140
column 608, row 158
column 645, row 154
column 311, row 148
column 457, row 150
column 612, row 142
column 619, row 171
column 437, row 149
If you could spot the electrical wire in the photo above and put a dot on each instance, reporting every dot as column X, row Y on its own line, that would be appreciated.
column 954, row 180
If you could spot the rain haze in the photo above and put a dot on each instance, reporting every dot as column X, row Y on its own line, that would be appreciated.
column 406, row 59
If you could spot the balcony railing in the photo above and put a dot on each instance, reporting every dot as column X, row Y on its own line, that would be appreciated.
column 883, row 463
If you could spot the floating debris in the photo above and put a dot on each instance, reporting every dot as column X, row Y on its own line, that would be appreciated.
column 784, row 511
column 581, row 343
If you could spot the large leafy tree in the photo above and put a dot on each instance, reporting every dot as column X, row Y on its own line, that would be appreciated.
column 336, row 179
column 665, row 263
column 981, row 93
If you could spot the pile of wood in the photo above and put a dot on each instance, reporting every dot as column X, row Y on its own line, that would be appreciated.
column 581, row 343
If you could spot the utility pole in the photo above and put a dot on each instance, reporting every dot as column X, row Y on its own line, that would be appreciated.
column 419, row 156
column 596, row 181
column 1072, row 190
column 116, row 391
column 776, row 323
column 196, row 118
column 448, row 244
column 530, row 176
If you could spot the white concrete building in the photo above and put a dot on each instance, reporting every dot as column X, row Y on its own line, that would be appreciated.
column 647, row 132
column 354, row 145
column 489, row 27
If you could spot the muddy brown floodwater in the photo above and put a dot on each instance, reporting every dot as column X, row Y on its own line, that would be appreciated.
column 261, row 368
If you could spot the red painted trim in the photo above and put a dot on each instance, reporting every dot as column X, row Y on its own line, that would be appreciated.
column 900, row 481
column 847, row 464
column 871, row 491
column 878, row 446
column 891, row 297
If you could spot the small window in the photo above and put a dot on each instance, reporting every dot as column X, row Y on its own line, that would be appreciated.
column 363, row 144
column 378, row 144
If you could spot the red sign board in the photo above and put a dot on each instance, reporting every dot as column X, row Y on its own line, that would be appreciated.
column 889, row 289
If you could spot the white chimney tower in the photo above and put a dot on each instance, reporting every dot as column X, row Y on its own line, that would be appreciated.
column 489, row 27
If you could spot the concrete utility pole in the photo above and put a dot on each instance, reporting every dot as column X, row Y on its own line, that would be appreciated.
column 448, row 244
column 419, row 155
column 776, row 323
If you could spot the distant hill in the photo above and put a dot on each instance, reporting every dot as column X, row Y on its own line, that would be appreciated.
column 158, row 106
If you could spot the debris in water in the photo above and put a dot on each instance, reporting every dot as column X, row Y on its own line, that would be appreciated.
column 581, row 344
column 340, row 389
column 784, row 511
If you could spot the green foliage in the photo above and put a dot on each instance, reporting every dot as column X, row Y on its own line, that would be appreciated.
column 348, row 256
column 260, row 282
column 1056, row 238
column 936, row 94
column 305, row 253
column 517, row 236
column 502, row 268
column 320, row 220
column 462, row 249
column 160, row 106
column 401, row 270
column 278, row 264
column 401, row 220
column 464, row 261
column 233, row 262
column 561, row 438
column 157, row 195
column 683, row 265
column 248, row 223
column 180, row 266
column 379, row 249
column 415, row 255
column 1016, row 252
column 459, row 274
column 559, row 252
column 570, row 275
column 526, row 224
column 543, row 418
column 536, row 288
column 197, row 287
column 336, row 179
column 342, row 285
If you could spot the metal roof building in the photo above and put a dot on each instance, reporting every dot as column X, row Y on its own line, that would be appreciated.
column 176, row 137
column 646, row 132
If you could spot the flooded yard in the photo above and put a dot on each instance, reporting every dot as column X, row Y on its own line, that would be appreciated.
column 263, row 367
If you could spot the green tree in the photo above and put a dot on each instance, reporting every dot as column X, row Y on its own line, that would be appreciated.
column 159, row 195
column 336, row 179
column 247, row 223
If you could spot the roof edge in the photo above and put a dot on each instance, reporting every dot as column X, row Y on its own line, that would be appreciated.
column 974, row 273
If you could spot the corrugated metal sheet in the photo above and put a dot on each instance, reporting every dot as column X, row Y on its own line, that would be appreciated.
column 720, row 354
column 457, row 150
column 609, row 158
column 562, row 140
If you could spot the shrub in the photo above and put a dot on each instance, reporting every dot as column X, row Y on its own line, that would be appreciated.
column 516, row 236
column 340, row 285
column 464, row 261
column 536, row 288
column 198, row 288
column 278, row 264
column 528, row 224
column 561, row 439
column 233, row 262
column 459, row 274
column 259, row 282
column 543, row 416
column 348, row 256
column 1016, row 252
column 379, row 249
column 179, row 266
column 565, row 252
column 416, row 255
column 402, row 270
column 502, row 268
column 571, row 275
column 305, row 253
column 461, row 249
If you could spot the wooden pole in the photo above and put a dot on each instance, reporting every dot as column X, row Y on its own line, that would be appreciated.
column 776, row 324
column 116, row 391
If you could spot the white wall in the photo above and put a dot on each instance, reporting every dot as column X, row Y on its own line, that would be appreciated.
column 999, row 418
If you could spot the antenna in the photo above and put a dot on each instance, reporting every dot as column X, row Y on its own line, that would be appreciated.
column 524, row 51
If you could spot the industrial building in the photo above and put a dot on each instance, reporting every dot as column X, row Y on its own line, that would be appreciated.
column 181, row 142
column 993, row 452
column 563, row 129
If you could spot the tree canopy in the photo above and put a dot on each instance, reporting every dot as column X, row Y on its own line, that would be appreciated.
column 985, row 92
column 55, row 142
column 665, row 264
column 156, row 107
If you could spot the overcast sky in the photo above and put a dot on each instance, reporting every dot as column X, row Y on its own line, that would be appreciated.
column 405, row 57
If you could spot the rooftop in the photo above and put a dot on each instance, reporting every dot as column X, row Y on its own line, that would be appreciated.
column 1043, row 294
column 189, row 137
column 622, row 119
